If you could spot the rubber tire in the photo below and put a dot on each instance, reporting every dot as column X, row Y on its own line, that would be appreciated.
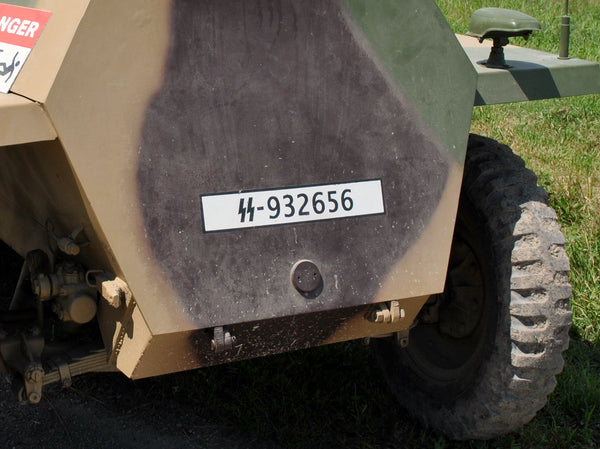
column 512, row 367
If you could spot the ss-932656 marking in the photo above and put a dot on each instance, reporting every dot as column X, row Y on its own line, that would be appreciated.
column 258, row 208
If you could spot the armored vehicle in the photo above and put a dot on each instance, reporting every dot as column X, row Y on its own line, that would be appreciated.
column 191, row 183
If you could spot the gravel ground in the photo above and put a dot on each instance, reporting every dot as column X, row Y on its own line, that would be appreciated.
column 114, row 418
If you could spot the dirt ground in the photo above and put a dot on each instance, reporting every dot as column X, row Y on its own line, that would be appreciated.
column 113, row 417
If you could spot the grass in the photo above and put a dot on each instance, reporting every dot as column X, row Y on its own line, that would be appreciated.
column 334, row 396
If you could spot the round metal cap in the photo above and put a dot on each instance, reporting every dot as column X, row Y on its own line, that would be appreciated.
column 306, row 277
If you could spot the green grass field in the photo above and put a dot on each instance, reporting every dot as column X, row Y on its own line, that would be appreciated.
column 334, row 396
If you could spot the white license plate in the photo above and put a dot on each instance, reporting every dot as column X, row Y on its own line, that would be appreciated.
column 225, row 211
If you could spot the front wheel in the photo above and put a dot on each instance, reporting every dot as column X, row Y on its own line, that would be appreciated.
column 484, row 354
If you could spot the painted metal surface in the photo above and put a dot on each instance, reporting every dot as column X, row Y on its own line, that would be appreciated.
column 128, row 114
column 179, row 351
column 271, row 98
column 533, row 75
column 284, row 99
column 491, row 22
column 220, row 98
column 23, row 121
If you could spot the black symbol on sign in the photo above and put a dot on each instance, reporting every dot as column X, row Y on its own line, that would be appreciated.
column 243, row 210
column 9, row 69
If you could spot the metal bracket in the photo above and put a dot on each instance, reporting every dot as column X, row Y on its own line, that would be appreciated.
column 21, row 353
column 33, row 377
column 67, row 245
column 112, row 288
column 122, row 332
column 387, row 312
column 399, row 337
column 117, row 294
column 33, row 373
column 222, row 340
column 402, row 338
column 64, row 373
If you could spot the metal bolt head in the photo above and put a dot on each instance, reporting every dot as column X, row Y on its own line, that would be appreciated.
column 34, row 375
column 34, row 397
column 376, row 316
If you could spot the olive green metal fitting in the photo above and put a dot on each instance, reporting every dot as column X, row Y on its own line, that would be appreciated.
column 499, row 24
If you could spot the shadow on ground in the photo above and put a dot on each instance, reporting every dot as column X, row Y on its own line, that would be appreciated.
column 331, row 397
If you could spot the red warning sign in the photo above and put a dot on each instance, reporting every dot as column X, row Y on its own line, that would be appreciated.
column 19, row 30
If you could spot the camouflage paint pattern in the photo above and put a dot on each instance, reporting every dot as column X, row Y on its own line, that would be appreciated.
column 271, row 95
